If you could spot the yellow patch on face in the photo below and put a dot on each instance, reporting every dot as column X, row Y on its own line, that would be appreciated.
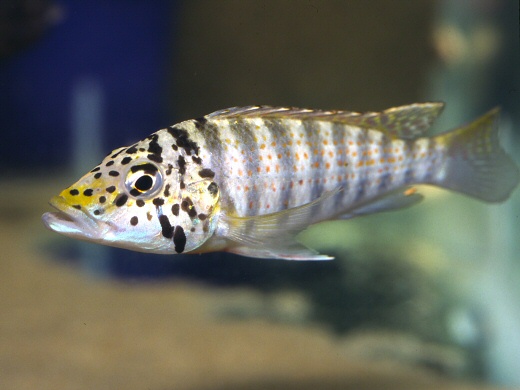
column 85, row 194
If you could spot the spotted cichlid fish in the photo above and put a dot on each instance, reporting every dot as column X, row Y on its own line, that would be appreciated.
column 248, row 179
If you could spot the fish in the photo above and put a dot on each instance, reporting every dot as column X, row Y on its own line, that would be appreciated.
column 247, row 180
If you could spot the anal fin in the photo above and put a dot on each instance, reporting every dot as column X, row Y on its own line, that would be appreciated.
column 296, row 251
column 392, row 201
column 273, row 236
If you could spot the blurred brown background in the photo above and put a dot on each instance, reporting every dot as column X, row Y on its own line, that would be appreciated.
column 356, row 54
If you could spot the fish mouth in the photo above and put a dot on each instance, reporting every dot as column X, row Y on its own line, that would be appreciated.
column 72, row 222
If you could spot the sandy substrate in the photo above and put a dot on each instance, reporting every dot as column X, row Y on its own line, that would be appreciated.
column 60, row 329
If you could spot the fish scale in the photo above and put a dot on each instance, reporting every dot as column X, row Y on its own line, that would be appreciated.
column 297, row 161
column 247, row 180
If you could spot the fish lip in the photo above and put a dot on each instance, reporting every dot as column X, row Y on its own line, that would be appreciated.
column 70, row 221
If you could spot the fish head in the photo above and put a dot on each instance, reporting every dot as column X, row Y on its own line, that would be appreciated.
column 149, row 202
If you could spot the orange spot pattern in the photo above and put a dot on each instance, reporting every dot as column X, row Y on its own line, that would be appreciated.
column 357, row 155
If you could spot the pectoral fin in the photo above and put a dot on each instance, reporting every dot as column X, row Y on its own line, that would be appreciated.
column 272, row 236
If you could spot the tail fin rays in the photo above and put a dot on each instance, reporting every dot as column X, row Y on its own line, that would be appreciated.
column 477, row 165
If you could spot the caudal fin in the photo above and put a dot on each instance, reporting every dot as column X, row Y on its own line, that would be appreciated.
column 476, row 164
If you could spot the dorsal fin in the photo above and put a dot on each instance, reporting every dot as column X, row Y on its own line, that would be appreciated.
column 407, row 122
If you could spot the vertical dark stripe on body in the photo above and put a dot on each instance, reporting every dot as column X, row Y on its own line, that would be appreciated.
column 200, row 122
column 386, row 153
column 285, row 146
column 385, row 182
column 340, row 142
column 360, row 190
column 210, row 132
column 409, row 175
column 244, row 131
column 363, row 173
column 312, row 135
column 430, row 153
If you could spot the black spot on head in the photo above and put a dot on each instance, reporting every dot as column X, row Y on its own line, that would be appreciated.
column 74, row 192
column 118, row 153
column 185, row 205
column 113, row 173
column 149, row 216
column 175, row 147
column 175, row 132
column 121, row 200
column 102, row 199
column 95, row 169
column 183, row 140
column 110, row 189
column 213, row 188
column 188, row 207
column 142, row 149
column 126, row 160
column 182, row 185
column 169, row 170
column 147, row 168
column 192, row 229
column 88, row 192
column 134, row 221
column 181, row 162
column 131, row 150
column 158, row 201
column 111, row 162
column 175, row 209
column 76, row 206
column 153, row 146
column 139, row 202
column 202, row 216
column 196, row 160
column 179, row 239
column 167, row 229
column 155, row 157
column 97, row 212
column 97, row 175
column 135, row 192
column 167, row 190
column 206, row 173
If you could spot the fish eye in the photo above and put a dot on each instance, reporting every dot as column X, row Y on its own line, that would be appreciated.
column 143, row 180
column 144, row 183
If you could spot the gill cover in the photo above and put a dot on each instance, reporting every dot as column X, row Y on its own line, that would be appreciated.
column 180, row 204
column 197, row 215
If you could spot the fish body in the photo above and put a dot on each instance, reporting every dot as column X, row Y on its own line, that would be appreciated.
column 248, row 179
